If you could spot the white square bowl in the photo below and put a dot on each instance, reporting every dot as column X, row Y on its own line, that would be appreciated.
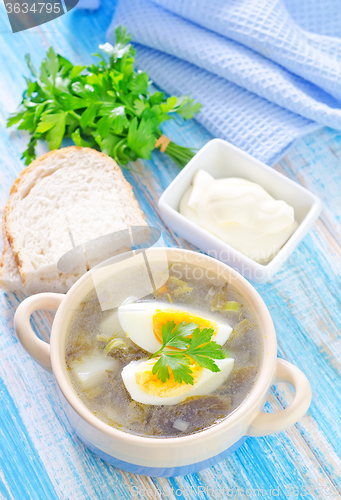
column 221, row 159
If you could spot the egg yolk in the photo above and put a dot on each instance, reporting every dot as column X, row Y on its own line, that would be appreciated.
column 162, row 317
column 150, row 384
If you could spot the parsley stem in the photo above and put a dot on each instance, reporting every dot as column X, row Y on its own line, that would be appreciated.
column 74, row 114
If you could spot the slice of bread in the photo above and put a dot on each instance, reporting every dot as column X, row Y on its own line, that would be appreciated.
column 10, row 279
column 62, row 200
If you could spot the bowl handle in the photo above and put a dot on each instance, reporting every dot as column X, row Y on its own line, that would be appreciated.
column 36, row 348
column 269, row 423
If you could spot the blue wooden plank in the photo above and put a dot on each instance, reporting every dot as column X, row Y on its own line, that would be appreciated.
column 303, row 298
column 23, row 474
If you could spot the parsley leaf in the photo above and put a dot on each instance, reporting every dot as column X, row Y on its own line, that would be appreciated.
column 141, row 137
column 139, row 84
column 192, row 344
column 55, row 135
column 178, row 364
column 188, row 108
column 202, row 350
column 122, row 36
column 177, row 336
column 47, row 122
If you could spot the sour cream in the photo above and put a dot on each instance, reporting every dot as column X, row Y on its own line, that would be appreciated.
column 241, row 213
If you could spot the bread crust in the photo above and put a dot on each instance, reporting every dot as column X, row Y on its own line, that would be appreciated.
column 58, row 153
column 7, row 248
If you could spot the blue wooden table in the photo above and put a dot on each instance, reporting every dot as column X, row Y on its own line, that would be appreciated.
column 40, row 456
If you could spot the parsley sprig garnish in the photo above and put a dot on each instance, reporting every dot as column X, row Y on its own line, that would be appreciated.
column 107, row 106
column 193, row 344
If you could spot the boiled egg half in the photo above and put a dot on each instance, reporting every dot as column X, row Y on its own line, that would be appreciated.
column 146, row 388
column 142, row 322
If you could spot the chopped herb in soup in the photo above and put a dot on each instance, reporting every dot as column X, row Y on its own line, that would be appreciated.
column 173, row 363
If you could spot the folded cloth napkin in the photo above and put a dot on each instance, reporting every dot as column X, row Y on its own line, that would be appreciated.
column 262, row 79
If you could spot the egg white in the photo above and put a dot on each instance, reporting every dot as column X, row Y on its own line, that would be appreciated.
column 136, row 320
column 208, row 382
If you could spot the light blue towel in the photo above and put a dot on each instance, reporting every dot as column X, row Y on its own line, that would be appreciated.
column 263, row 81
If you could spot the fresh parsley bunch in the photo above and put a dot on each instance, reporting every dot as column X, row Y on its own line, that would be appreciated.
column 107, row 106
column 192, row 344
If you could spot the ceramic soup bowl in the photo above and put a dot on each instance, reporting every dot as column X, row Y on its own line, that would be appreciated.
column 165, row 456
